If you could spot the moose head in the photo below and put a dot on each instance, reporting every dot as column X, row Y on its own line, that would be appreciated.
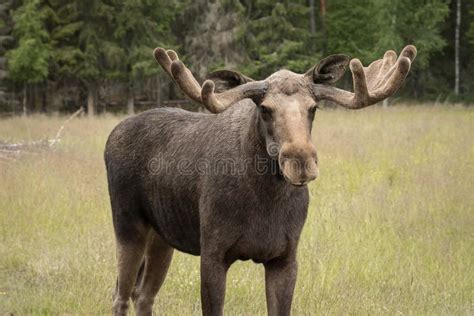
column 286, row 101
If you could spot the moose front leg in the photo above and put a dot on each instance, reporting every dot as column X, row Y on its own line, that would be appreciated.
column 213, row 280
column 280, row 279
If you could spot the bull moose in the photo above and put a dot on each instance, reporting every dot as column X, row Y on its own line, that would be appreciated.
column 163, row 200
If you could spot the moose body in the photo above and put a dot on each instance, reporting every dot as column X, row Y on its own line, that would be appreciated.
column 227, row 186
column 178, row 200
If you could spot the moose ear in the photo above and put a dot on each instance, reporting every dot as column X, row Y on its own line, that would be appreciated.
column 227, row 79
column 330, row 69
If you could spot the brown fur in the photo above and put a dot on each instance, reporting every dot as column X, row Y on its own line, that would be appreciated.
column 253, row 209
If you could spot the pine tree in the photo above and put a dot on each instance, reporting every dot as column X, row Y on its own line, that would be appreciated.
column 28, row 62
column 81, row 38
column 367, row 28
column 140, row 26
column 278, row 35
column 417, row 22
column 470, row 33
column 209, row 33
column 352, row 27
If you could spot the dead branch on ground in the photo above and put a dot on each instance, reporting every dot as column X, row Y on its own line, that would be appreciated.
column 10, row 151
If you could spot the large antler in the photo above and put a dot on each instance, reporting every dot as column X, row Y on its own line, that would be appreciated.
column 381, row 79
column 214, row 102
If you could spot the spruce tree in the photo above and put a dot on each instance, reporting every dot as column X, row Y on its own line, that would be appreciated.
column 81, row 38
column 278, row 35
column 139, row 27
column 471, row 28
column 28, row 62
column 208, row 32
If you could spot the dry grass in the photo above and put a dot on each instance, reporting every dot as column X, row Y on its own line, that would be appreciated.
column 390, row 228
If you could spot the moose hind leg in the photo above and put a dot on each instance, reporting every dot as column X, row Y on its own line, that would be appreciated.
column 158, row 255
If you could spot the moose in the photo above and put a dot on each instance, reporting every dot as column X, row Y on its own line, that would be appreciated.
column 163, row 200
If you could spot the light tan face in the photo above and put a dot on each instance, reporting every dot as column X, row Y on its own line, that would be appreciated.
column 287, row 114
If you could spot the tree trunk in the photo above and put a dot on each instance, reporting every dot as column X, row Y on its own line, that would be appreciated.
column 456, row 47
column 158, row 91
column 312, row 26
column 90, row 101
column 44, row 97
column 25, row 99
column 322, row 13
column 29, row 98
column 130, row 101
column 32, row 100
column 312, row 18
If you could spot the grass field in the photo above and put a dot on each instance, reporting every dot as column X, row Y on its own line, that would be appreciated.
column 390, row 227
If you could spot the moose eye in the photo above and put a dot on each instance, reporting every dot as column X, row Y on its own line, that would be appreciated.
column 266, row 112
column 313, row 109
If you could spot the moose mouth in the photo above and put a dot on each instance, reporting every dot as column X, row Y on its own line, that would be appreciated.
column 297, row 173
column 297, row 184
column 301, row 184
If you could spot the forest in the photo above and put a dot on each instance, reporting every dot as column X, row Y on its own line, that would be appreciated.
column 58, row 55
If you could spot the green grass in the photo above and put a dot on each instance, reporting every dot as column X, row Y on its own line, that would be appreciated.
column 390, row 227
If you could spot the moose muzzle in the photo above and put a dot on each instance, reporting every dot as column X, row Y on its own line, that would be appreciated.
column 298, row 163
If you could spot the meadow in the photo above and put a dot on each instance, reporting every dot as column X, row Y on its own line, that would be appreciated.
column 390, row 227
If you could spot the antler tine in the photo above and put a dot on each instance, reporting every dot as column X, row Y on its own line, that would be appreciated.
column 396, row 74
column 361, row 93
column 394, row 81
column 175, row 68
column 164, row 59
column 186, row 81
column 389, row 59
column 209, row 98
column 381, row 79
